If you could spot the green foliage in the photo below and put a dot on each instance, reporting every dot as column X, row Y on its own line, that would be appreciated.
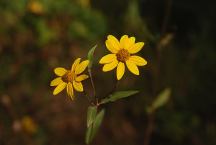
column 118, row 95
column 45, row 34
column 135, row 23
column 93, row 123
column 91, row 114
column 91, row 56
column 160, row 100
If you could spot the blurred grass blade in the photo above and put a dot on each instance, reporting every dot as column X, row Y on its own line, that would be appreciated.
column 161, row 100
column 91, row 114
column 91, row 56
column 118, row 95
column 94, row 126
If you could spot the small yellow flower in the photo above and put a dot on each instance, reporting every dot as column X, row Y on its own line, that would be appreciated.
column 70, row 79
column 122, row 54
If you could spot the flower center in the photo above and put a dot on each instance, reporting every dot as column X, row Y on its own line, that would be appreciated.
column 68, row 77
column 122, row 55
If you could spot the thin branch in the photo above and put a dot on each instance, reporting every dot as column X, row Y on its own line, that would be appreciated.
column 113, row 89
column 88, row 98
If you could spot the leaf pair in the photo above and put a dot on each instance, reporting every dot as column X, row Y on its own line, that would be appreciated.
column 94, row 121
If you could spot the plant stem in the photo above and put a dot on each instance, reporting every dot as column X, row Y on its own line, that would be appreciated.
column 88, row 98
column 113, row 89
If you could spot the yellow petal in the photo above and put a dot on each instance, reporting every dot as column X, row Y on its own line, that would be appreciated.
column 78, row 86
column 107, row 58
column 81, row 67
column 120, row 70
column 56, row 81
column 136, row 47
column 76, row 62
column 110, row 47
column 138, row 60
column 60, row 71
column 124, row 41
column 59, row 88
column 112, row 44
column 132, row 67
column 81, row 78
column 110, row 66
column 130, row 42
column 70, row 90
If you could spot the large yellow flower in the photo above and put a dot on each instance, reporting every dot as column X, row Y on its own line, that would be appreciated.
column 70, row 79
column 122, row 54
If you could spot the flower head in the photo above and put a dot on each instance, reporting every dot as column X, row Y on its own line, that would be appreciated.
column 122, row 53
column 70, row 79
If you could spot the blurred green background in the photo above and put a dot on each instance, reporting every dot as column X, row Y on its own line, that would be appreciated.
column 38, row 35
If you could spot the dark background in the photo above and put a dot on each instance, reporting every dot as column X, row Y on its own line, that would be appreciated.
column 38, row 35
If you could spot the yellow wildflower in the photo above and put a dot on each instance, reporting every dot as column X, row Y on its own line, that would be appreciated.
column 122, row 54
column 70, row 79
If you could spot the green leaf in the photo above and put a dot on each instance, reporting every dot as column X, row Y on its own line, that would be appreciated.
column 97, row 123
column 161, row 100
column 91, row 114
column 91, row 56
column 88, row 137
column 118, row 95
column 94, row 126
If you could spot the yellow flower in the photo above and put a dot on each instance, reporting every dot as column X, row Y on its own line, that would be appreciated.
column 70, row 79
column 122, row 53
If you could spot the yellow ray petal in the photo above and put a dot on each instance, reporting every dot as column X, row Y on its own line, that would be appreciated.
column 138, row 60
column 81, row 78
column 59, row 88
column 56, row 81
column 132, row 67
column 70, row 90
column 112, row 44
column 120, row 70
column 107, row 58
column 76, row 62
column 81, row 67
column 78, row 86
column 60, row 71
column 136, row 47
column 130, row 42
column 124, row 41
column 110, row 47
column 110, row 66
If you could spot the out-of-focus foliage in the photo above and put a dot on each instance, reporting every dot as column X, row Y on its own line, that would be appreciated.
column 38, row 35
